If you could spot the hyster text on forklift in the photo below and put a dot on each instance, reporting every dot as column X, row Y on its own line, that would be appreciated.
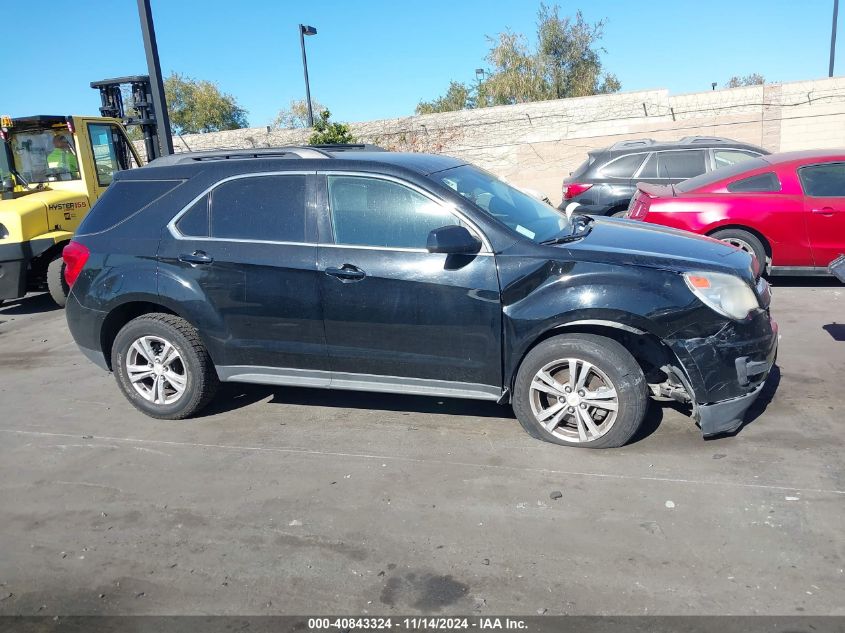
column 52, row 169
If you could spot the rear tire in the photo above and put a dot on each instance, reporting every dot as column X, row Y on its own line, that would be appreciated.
column 746, row 241
column 602, row 410
column 56, row 283
column 162, row 366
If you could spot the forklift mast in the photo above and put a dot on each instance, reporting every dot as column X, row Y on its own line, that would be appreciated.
column 111, row 98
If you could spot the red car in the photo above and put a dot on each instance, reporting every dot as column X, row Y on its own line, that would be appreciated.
column 787, row 209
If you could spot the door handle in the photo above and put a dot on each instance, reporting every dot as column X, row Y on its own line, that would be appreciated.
column 197, row 257
column 825, row 211
column 347, row 272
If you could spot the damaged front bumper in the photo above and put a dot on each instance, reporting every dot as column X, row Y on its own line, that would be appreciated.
column 727, row 416
column 724, row 374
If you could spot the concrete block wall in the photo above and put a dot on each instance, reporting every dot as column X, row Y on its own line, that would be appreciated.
column 537, row 144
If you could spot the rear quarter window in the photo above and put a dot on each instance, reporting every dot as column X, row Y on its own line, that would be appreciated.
column 623, row 167
column 761, row 183
column 122, row 200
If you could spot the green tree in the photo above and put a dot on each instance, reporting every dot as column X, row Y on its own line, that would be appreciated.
column 565, row 62
column 328, row 133
column 197, row 105
column 754, row 79
column 296, row 114
column 457, row 97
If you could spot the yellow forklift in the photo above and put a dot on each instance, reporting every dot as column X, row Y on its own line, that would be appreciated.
column 52, row 169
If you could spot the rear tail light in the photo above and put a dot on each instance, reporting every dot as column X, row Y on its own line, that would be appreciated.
column 75, row 256
column 574, row 189
column 638, row 208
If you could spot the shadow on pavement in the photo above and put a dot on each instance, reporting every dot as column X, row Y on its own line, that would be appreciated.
column 836, row 330
column 31, row 304
column 234, row 396
column 805, row 282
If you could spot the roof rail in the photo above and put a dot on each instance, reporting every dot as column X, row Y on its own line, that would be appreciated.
column 641, row 142
column 349, row 147
column 291, row 151
column 691, row 140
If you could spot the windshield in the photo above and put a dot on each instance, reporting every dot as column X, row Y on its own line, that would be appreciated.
column 44, row 155
column 518, row 211
column 720, row 174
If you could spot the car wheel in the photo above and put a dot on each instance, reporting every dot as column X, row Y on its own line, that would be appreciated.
column 56, row 283
column 580, row 390
column 162, row 366
column 745, row 241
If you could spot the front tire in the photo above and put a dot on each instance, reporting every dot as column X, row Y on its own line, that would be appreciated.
column 580, row 390
column 56, row 283
column 162, row 366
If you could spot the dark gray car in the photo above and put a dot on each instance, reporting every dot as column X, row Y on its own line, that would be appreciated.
column 605, row 182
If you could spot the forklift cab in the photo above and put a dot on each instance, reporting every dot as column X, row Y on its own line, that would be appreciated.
column 52, row 170
column 63, row 153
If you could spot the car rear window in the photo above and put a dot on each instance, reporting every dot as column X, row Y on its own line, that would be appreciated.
column 761, row 183
column 583, row 167
column 121, row 200
column 723, row 173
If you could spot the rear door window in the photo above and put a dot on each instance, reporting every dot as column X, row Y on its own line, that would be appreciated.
column 684, row 163
column 623, row 167
column 823, row 181
column 194, row 222
column 259, row 208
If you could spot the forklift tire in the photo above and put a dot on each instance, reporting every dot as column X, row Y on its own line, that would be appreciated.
column 56, row 283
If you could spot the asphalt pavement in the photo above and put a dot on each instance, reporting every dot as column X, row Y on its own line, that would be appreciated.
column 300, row 501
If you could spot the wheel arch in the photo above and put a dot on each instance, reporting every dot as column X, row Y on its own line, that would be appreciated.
column 647, row 348
column 743, row 227
column 123, row 313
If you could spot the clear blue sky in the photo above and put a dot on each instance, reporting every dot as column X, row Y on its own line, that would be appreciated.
column 377, row 58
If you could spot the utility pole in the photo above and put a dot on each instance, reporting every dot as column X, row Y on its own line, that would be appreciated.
column 833, row 36
column 165, row 140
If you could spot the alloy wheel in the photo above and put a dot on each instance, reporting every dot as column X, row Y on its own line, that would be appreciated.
column 574, row 400
column 156, row 370
column 740, row 244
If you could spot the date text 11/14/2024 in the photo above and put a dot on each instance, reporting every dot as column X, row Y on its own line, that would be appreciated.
column 417, row 623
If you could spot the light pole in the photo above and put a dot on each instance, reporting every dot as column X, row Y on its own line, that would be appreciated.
column 833, row 37
column 479, row 77
column 148, row 33
column 303, row 31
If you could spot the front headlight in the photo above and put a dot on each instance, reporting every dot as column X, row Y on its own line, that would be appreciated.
column 4, row 232
column 726, row 294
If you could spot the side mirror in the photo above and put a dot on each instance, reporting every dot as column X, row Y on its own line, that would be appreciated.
column 454, row 240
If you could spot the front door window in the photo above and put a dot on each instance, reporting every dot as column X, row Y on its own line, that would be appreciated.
column 374, row 212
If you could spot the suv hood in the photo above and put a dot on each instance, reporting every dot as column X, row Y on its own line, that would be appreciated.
column 639, row 244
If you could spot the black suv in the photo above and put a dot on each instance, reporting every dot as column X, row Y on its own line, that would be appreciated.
column 408, row 273
column 605, row 183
